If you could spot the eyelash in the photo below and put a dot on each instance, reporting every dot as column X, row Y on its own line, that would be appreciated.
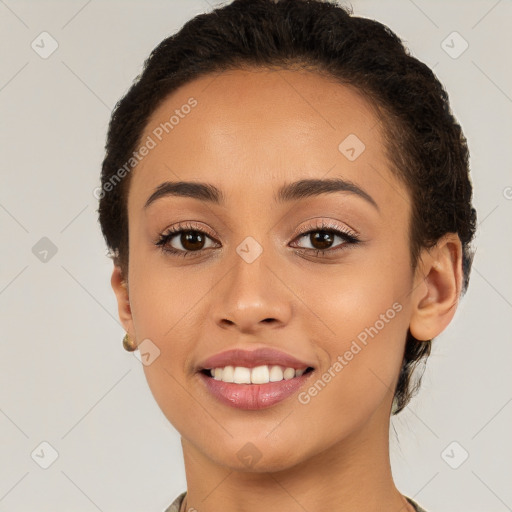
column 348, row 236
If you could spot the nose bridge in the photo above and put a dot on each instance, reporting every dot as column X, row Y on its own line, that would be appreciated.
column 250, row 294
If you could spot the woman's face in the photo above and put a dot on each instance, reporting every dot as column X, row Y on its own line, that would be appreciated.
column 252, row 280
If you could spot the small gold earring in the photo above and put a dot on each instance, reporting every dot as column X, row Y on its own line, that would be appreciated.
column 129, row 344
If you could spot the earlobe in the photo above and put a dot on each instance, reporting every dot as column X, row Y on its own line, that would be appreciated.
column 120, row 287
column 437, row 288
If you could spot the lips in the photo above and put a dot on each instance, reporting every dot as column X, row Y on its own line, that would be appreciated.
column 254, row 396
column 253, row 358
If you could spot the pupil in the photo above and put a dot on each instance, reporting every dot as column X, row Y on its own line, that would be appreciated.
column 322, row 237
column 192, row 240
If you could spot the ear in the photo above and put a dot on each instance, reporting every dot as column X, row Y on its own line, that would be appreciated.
column 120, row 287
column 437, row 287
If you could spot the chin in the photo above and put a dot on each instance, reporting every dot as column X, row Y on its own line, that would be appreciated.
column 252, row 454
column 268, row 461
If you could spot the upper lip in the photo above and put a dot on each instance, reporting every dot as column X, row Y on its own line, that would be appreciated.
column 251, row 359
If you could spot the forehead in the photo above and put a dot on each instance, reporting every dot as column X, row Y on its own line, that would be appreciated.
column 261, row 128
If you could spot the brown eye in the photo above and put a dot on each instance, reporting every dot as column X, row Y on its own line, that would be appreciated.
column 192, row 240
column 184, row 241
column 321, row 239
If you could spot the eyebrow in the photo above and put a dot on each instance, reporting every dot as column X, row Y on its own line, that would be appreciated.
column 294, row 191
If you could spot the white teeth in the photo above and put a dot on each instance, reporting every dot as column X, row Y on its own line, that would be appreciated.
column 276, row 374
column 242, row 375
column 260, row 375
column 257, row 375
column 289, row 373
column 226, row 374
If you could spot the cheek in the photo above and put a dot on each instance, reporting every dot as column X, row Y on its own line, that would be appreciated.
column 342, row 302
column 359, row 378
column 169, row 319
column 164, row 305
column 164, row 300
column 359, row 324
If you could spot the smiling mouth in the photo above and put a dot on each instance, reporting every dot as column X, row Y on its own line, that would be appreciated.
column 254, row 388
column 263, row 374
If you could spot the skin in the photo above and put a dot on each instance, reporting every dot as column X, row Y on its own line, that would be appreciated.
column 333, row 452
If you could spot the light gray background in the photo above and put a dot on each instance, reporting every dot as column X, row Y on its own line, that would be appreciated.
column 65, row 378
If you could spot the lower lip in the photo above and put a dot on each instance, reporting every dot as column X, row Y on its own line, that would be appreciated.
column 253, row 396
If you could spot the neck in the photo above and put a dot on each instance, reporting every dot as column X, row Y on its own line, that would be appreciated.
column 352, row 475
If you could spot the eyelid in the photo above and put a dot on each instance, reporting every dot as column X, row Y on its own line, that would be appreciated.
column 328, row 225
column 187, row 226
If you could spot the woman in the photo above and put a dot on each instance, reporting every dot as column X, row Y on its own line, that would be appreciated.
column 286, row 195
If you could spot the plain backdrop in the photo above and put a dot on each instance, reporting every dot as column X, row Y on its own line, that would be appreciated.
column 65, row 380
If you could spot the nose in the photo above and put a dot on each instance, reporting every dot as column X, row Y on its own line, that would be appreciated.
column 252, row 297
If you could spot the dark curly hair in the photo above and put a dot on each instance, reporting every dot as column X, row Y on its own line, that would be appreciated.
column 424, row 142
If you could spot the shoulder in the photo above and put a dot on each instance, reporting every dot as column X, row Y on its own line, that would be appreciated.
column 176, row 504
